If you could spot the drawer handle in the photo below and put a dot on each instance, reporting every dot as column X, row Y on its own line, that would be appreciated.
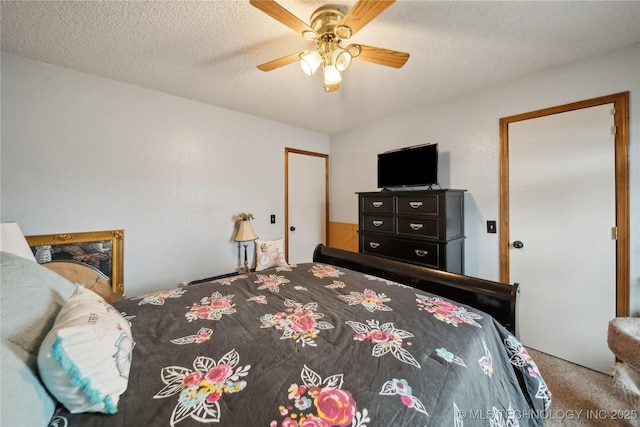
column 374, row 245
column 377, row 204
column 377, row 223
column 420, row 252
column 416, row 226
column 415, row 205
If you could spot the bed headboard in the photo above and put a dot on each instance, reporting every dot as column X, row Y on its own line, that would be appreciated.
column 494, row 298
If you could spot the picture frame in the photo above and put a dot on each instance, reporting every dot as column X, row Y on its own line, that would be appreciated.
column 101, row 250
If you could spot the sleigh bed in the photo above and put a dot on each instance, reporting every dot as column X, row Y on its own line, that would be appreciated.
column 347, row 340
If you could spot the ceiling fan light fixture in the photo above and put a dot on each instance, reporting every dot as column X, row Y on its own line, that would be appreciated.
column 328, row 27
column 331, row 75
column 343, row 59
column 309, row 62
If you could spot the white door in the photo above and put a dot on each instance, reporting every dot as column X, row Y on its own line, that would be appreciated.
column 562, row 210
column 306, row 217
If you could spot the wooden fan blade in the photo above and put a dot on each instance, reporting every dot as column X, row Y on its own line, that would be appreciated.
column 280, row 62
column 377, row 55
column 282, row 15
column 364, row 12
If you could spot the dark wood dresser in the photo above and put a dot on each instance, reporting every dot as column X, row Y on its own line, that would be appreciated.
column 423, row 227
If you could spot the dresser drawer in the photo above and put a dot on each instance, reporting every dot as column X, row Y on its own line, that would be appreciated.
column 403, row 250
column 377, row 204
column 377, row 245
column 377, row 223
column 418, row 252
column 418, row 205
column 418, row 227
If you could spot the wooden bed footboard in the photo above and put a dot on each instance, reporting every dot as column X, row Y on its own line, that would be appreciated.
column 494, row 298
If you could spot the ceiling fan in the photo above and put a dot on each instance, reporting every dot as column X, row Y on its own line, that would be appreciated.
column 328, row 26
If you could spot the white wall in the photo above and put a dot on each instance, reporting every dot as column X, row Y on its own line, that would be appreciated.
column 82, row 153
column 466, row 129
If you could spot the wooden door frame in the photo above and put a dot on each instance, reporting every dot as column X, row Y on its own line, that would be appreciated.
column 621, row 122
column 288, row 150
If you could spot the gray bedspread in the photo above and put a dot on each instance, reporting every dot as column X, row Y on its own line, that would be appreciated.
column 316, row 346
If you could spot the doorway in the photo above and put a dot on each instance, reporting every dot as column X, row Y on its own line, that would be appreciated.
column 306, row 203
column 551, row 213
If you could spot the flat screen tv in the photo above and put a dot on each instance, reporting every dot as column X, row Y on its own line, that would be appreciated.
column 408, row 167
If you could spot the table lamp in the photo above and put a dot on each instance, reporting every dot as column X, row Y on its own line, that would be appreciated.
column 244, row 235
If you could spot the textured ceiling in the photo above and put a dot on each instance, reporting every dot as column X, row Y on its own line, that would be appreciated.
column 208, row 50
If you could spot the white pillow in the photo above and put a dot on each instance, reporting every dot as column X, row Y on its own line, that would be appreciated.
column 25, row 401
column 269, row 253
column 32, row 297
column 13, row 241
column 84, row 360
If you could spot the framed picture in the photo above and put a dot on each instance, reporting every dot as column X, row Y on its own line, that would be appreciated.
column 101, row 250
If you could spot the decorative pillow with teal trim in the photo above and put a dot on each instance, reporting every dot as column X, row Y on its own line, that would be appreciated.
column 84, row 360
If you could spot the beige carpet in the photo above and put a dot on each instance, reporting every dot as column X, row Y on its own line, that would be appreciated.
column 583, row 397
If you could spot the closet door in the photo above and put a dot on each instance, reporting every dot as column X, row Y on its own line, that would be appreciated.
column 306, row 210
column 562, row 209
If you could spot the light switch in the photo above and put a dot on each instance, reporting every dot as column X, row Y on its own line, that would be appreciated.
column 273, row 219
column 491, row 227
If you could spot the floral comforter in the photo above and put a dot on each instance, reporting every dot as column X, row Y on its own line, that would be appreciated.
column 313, row 345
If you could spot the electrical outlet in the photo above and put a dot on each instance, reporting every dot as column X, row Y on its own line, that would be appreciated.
column 491, row 227
column 273, row 219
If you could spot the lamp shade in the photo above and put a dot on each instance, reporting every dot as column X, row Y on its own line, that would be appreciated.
column 342, row 60
column 12, row 240
column 310, row 61
column 245, row 232
column 331, row 75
